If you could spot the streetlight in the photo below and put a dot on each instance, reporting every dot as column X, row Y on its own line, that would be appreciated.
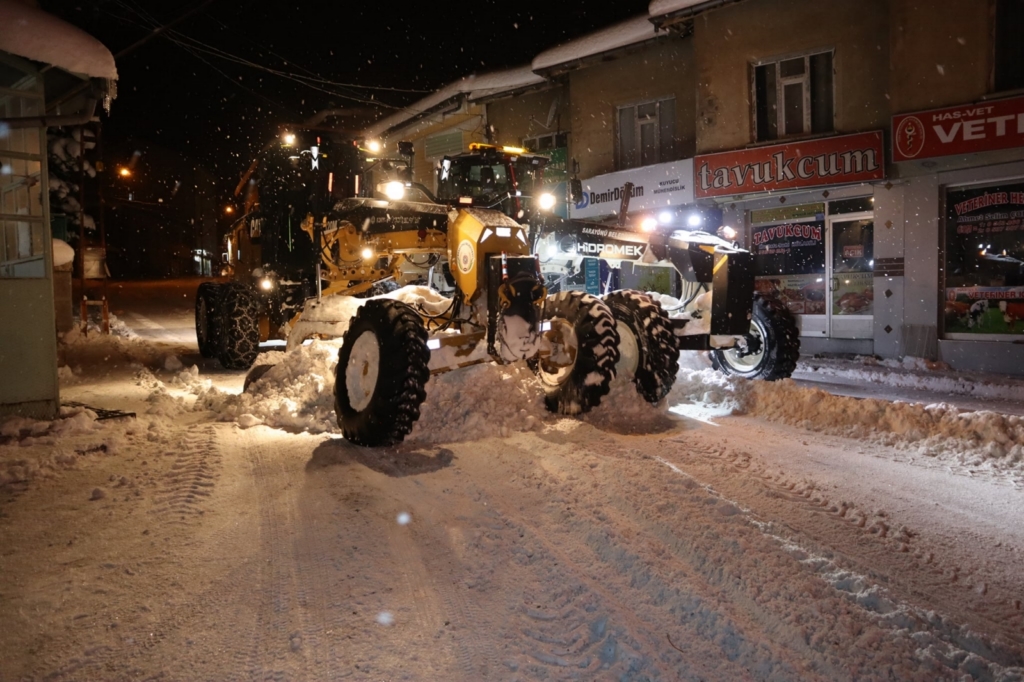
column 229, row 209
column 124, row 172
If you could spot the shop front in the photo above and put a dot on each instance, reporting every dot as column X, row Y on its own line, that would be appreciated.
column 966, row 163
column 806, row 210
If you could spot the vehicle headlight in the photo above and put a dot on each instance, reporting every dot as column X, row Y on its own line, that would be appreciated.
column 394, row 190
column 546, row 201
column 648, row 224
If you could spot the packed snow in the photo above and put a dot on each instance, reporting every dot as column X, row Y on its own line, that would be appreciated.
column 737, row 530
column 30, row 32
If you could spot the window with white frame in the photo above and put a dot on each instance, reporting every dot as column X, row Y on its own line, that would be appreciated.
column 647, row 133
column 793, row 96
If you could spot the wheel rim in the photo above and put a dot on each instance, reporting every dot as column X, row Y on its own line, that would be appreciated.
column 743, row 364
column 362, row 370
column 557, row 367
column 629, row 350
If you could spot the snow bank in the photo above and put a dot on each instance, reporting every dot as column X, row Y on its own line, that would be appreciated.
column 912, row 373
column 978, row 440
column 32, row 448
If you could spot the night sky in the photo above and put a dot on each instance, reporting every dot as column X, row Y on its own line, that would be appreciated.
column 206, row 89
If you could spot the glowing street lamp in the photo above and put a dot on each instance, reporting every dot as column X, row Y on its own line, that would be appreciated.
column 124, row 172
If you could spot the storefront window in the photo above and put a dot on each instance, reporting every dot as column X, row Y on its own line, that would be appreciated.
column 789, row 259
column 22, row 249
column 984, row 270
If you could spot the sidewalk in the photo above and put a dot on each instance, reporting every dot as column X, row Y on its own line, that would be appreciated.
column 913, row 380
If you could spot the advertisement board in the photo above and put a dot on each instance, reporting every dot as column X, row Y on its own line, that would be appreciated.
column 656, row 186
column 794, row 165
column 985, row 260
column 963, row 129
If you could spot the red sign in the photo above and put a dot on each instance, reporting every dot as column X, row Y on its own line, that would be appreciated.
column 958, row 130
column 808, row 163
column 853, row 251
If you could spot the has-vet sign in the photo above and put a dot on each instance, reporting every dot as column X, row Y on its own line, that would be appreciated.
column 966, row 129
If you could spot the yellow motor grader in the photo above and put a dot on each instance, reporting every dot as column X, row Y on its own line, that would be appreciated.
column 479, row 240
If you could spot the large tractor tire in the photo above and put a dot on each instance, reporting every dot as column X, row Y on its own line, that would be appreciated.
column 206, row 318
column 585, row 331
column 773, row 344
column 647, row 346
column 238, row 327
column 381, row 374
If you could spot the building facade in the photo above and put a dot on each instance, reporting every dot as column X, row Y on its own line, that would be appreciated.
column 869, row 152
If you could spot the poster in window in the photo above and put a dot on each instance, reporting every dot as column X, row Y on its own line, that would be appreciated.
column 985, row 260
column 789, row 261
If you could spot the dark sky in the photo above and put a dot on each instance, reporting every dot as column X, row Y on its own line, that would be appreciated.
column 190, row 91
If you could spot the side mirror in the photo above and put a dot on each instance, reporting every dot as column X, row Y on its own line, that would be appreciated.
column 576, row 190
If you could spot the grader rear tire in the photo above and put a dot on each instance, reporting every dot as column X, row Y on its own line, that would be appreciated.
column 579, row 386
column 238, row 326
column 381, row 374
column 646, row 343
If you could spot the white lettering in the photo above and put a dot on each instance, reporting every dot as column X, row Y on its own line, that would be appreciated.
column 1000, row 122
column 947, row 138
column 974, row 130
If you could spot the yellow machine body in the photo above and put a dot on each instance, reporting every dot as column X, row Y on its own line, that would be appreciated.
column 476, row 234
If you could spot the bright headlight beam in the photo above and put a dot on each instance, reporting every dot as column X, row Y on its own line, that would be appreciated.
column 367, row 253
column 394, row 190
column 648, row 224
column 546, row 201
column 694, row 220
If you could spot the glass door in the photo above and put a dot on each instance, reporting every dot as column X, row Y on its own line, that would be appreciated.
column 851, row 265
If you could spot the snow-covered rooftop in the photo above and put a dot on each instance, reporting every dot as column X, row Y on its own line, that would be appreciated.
column 623, row 34
column 29, row 32
column 474, row 86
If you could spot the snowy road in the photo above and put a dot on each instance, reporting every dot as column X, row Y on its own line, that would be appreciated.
column 625, row 546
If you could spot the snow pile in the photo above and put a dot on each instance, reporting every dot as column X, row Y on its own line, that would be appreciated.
column 296, row 393
column 480, row 401
column 330, row 316
column 984, row 440
column 912, row 373
column 29, row 448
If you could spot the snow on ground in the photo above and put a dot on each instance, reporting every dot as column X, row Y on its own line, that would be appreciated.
column 500, row 541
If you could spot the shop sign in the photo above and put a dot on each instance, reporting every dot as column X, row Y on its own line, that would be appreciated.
column 964, row 129
column 790, row 262
column 657, row 186
column 795, row 165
